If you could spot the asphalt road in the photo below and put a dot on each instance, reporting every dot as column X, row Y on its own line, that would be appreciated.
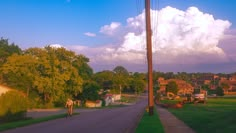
column 115, row 120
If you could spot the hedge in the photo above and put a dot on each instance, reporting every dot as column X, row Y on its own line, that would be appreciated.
column 13, row 106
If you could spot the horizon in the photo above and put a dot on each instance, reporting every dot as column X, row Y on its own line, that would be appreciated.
column 188, row 35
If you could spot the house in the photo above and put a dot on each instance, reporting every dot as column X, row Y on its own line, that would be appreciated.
column 162, row 84
column 208, row 79
column 183, row 86
column 231, row 81
column 108, row 99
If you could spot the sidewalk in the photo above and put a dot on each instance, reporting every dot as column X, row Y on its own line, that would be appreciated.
column 172, row 124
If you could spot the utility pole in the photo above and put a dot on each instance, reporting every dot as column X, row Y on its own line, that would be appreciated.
column 149, row 56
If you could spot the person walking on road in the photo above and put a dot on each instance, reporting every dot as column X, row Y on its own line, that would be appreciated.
column 69, row 106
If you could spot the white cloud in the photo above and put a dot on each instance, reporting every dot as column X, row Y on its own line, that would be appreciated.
column 110, row 29
column 90, row 34
column 184, row 37
column 56, row 46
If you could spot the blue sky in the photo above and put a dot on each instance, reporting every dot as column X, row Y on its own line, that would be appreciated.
column 102, row 30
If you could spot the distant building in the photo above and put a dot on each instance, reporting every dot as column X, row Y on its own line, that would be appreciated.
column 183, row 86
column 208, row 79
column 231, row 81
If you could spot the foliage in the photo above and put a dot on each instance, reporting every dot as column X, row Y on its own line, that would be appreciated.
column 90, row 91
column 219, row 91
column 48, row 74
column 104, row 79
column 120, row 78
column 218, row 115
column 85, row 71
column 13, row 106
column 225, row 86
column 137, row 83
column 172, row 87
column 7, row 50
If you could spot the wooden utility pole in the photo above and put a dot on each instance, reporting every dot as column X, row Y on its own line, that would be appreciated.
column 149, row 56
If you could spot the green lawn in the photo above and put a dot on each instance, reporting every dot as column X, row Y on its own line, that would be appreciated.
column 22, row 123
column 217, row 116
column 150, row 124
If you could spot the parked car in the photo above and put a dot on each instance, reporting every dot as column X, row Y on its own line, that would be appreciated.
column 199, row 98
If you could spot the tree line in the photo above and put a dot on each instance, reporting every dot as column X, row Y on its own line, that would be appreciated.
column 48, row 76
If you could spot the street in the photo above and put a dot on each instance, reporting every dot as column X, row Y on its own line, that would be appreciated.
column 114, row 120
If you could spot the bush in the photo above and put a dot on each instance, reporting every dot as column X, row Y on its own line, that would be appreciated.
column 219, row 91
column 103, row 103
column 13, row 106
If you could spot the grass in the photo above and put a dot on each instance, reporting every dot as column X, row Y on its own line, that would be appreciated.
column 21, row 123
column 150, row 124
column 129, row 99
column 217, row 116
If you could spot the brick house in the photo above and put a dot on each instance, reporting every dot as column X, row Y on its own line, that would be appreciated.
column 231, row 81
column 183, row 86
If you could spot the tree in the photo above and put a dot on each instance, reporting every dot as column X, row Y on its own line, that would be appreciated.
column 84, row 70
column 121, row 70
column 137, row 82
column 225, row 86
column 137, row 85
column 19, row 71
column 104, row 79
column 90, row 91
column 172, row 87
column 7, row 50
column 52, row 74
column 120, row 77
column 219, row 91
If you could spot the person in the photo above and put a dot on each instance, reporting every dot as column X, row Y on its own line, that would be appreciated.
column 69, row 106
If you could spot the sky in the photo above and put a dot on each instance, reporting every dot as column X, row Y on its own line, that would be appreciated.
column 187, row 35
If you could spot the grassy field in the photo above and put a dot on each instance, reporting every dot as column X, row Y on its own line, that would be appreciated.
column 217, row 116
column 150, row 124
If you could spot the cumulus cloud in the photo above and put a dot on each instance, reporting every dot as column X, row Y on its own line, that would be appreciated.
column 184, row 37
column 110, row 29
column 90, row 34
column 56, row 46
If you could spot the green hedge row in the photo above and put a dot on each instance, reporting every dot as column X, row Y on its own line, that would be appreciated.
column 13, row 106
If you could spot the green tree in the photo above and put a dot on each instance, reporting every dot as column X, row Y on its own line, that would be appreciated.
column 50, row 73
column 137, row 82
column 219, row 91
column 225, row 86
column 172, row 87
column 104, row 79
column 84, row 70
column 7, row 50
column 90, row 91
column 120, row 77
column 58, row 78
column 19, row 72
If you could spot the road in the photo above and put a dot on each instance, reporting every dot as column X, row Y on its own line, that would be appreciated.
column 115, row 120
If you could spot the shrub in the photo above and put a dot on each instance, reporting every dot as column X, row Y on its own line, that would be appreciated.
column 13, row 106
column 219, row 91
